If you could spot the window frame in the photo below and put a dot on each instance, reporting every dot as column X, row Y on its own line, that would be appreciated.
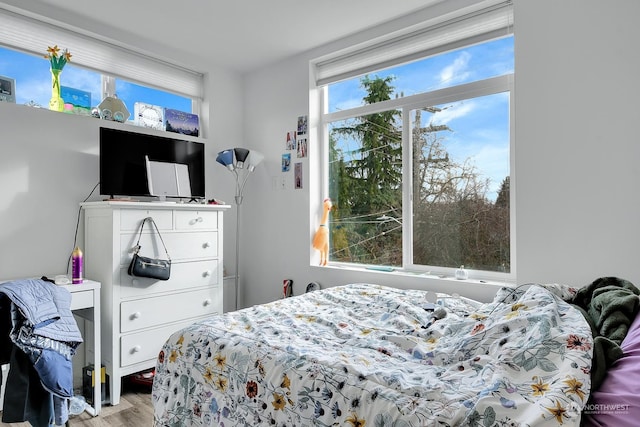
column 493, row 85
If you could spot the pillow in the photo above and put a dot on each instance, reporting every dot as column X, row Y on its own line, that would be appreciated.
column 617, row 401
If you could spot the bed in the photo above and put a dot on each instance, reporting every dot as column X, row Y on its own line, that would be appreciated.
column 367, row 355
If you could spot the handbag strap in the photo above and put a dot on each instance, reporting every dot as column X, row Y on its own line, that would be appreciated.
column 150, row 219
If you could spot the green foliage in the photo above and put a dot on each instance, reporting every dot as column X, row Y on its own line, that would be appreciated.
column 367, row 183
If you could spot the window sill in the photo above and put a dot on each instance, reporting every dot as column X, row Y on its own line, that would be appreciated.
column 440, row 278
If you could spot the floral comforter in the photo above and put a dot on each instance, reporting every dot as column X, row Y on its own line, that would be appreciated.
column 366, row 355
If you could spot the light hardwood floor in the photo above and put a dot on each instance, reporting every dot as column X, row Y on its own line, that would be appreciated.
column 134, row 410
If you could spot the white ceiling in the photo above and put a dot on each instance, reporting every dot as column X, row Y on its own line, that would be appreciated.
column 240, row 34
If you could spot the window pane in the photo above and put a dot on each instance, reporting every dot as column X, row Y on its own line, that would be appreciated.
column 461, row 184
column 365, row 185
column 33, row 78
column 474, row 63
column 130, row 93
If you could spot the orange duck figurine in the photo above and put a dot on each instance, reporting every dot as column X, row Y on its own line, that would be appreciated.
column 321, row 238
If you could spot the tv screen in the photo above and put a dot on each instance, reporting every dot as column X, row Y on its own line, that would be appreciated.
column 123, row 166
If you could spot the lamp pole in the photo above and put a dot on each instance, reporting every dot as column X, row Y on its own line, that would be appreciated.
column 234, row 160
column 237, row 284
column 238, row 200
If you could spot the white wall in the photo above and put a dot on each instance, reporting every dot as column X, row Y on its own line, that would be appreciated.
column 577, row 111
column 575, row 156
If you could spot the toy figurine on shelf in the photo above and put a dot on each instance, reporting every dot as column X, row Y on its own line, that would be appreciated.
column 321, row 238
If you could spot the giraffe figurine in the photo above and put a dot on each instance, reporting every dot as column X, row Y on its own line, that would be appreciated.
column 321, row 238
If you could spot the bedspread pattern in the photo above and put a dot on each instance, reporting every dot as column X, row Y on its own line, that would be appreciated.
column 365, row 355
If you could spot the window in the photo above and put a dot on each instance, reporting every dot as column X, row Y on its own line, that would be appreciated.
column 97, row 69
column 32, row 85
column 418, row 161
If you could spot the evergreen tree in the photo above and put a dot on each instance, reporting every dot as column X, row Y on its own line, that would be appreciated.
column 369, row 180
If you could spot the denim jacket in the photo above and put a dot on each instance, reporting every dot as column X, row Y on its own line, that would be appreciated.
column 43, row 327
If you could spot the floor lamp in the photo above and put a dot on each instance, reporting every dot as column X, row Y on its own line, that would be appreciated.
column 240, row 162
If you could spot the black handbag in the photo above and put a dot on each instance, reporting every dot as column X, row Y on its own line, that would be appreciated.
column 153, row 268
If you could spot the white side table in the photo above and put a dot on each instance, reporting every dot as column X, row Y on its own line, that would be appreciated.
column 85, row 303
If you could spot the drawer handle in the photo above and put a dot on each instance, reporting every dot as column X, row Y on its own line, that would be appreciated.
column 136, row 349
column 135, row 282
column 206, row 245
column 136, row 315
column 194, row 221
column 206, row 273
column 207, row 302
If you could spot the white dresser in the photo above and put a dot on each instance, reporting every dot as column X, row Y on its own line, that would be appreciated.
column 139, row 314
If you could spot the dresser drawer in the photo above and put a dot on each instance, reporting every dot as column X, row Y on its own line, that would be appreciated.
column 184, row 275
column 181, row 245
column 130, row 220
column 158, row 310
column 142, row 346
column 196, row 220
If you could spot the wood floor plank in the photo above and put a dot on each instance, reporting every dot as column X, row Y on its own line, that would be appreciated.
column 134, row 410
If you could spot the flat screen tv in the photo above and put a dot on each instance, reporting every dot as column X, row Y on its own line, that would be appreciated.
column 125, row 157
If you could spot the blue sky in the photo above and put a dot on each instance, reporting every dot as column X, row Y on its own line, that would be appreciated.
column 33, row 83
column 480, row 126
column 460, row 66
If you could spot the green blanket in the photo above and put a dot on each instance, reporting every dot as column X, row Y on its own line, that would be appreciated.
column 610, row 305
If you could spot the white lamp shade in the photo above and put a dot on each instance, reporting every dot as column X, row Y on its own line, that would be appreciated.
column 253, row 159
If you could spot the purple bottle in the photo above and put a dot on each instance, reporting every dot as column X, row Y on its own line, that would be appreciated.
column 76, row 266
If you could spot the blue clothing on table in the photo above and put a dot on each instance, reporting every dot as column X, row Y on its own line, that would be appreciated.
column 44, row 329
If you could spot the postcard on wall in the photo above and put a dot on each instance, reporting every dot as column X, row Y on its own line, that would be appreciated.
column 7, row 89
column 76, row 101
column 302, row 146
column 181, row 122
column 286, row 162
column 302, row 125
column 291, row 141
column 298, row 175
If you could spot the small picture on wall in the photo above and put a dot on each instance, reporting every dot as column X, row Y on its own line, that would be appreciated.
column 298, row 175
column 286, row 162
column 302, row 146
column 291, row 141
column 302, row 124
column 7, row 89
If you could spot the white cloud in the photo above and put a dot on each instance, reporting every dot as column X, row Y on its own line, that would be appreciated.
column 457, row 71
column 452, row 112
